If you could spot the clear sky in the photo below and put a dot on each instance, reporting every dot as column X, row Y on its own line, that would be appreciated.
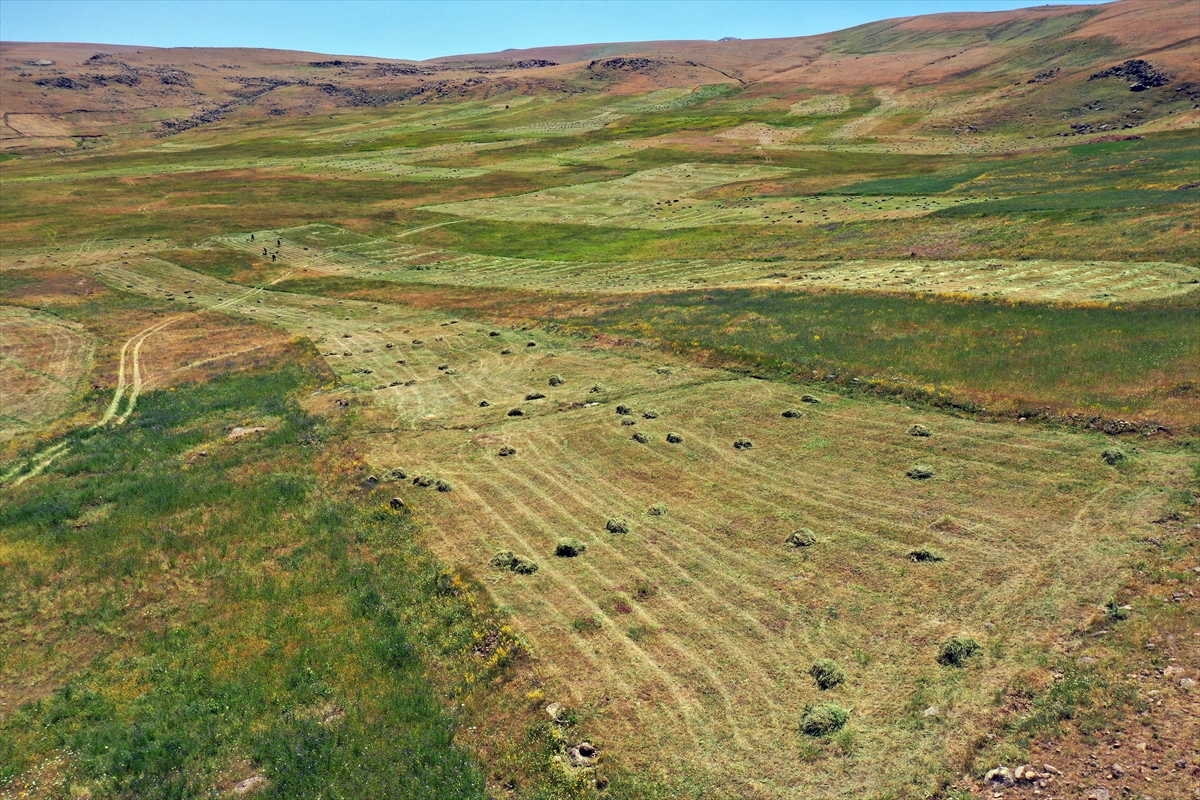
column 419, row 29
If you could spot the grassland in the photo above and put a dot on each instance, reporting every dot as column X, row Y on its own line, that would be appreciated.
column 225, row 353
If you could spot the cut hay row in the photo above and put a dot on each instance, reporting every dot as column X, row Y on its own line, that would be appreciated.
column 357, row 256
column 42, row 360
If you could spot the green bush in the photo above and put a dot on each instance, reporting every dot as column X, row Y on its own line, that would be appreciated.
column 823, row 719
column 827, row 673
column 617, row 525
column 955, row 651
column 569, row 548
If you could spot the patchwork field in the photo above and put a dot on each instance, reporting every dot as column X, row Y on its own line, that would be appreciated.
column 764, row 419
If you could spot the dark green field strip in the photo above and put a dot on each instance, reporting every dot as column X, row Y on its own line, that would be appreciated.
column 1075, row 201
column 1115, row 360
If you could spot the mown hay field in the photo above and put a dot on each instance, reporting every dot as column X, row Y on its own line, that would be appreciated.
column 686, row 641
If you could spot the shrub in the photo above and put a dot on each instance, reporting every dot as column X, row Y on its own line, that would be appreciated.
column 827, row 673
column 651, row 414
column 802, row 538
column 1116, row 612
column 503, row 559
column 1113, row 456
column 640, row 437
column 919, row 472
column 823, row 719
column 569, row 548
column 624, row 410
column 918, row 430
column 444, row 486
column 556, row 380
column 743, row 444
column 617, row 525
column 508, row 451
column 658, row 510
column 808, row 398
column 792, row 413
column 674, row 438
column 523, row 566
column 955, row 651
column 926, row 554
column 516, row 412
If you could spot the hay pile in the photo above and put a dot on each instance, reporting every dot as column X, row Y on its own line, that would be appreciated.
column 650, row 414
column 956, row 650
column 569, row 548
column 1113, row 456
column 516, row 412
column 640, row 438
column 742, row 443
column 823, row 719
column 508, row 451
column 624, row 410
column 674, row 438
column 792, row 413
column 801, row 538
column 658, row 510
column 507, row 559
column 616, row 525
column 535, row 396
column 926, row 554
column 808, row 398
column 919, row 472
column 918, row 430
column 556, row 380
column 827, row 673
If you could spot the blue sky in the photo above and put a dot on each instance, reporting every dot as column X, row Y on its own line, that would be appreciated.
column 418, row 29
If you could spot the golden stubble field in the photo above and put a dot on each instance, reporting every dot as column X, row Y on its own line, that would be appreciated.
column 685, row 643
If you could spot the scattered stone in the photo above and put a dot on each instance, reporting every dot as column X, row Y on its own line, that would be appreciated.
column 372, row 481
column 252, row 784
column 397, row 504
column 1099, row 793
column 237, row 433
column 582, row 754
column 1116, row 771
column 1001, row 775
column 554, row 709
column 932, row 711
column 1187, row 683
